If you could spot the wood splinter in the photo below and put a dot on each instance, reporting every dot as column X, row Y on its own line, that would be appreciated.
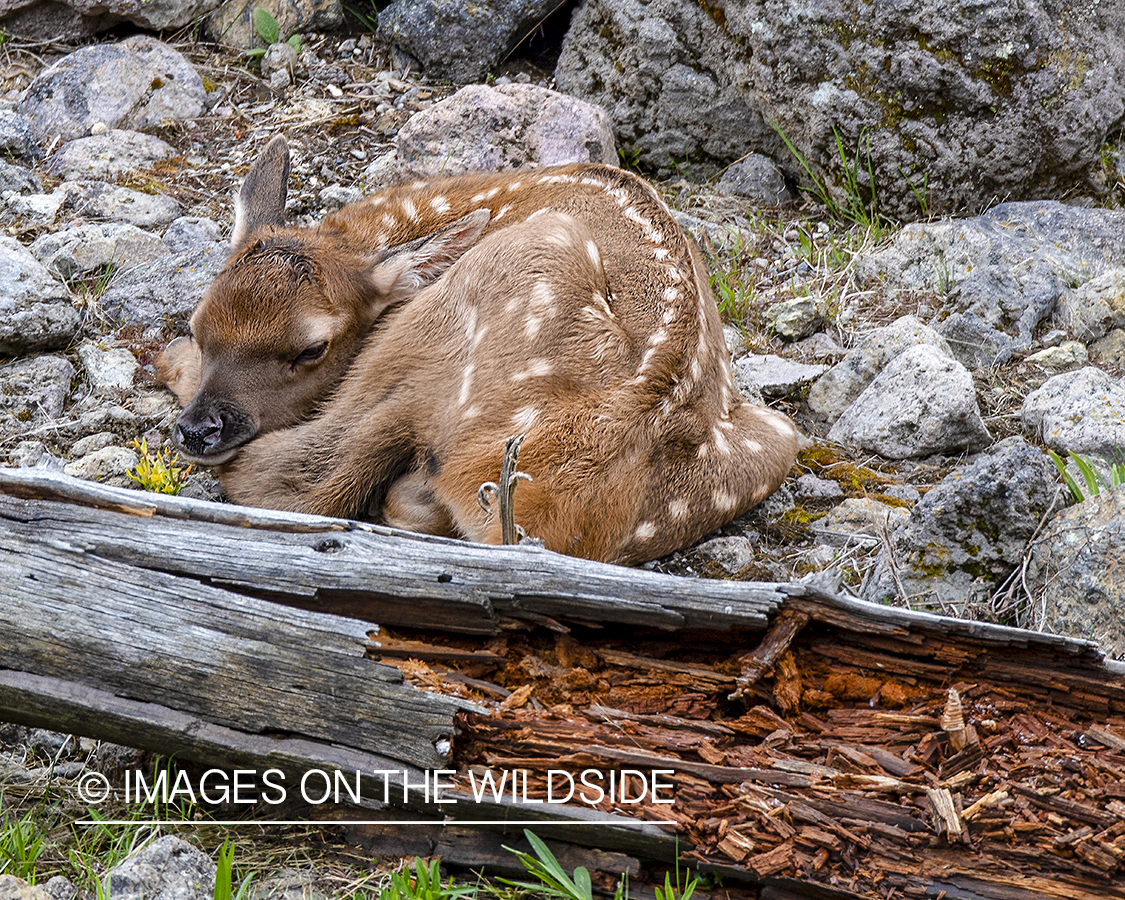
column 785, row 627
column 510, row 532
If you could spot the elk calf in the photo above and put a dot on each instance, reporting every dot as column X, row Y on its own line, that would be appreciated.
column 376, row 364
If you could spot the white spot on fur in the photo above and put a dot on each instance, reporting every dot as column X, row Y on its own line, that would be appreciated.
column 440, row 205
column 752, row 445
column 514, row 186
column 466, row 384
column 525, row 418
column 696, row 369
column 471, row 413
column 658, row 337
column 376, row 202
column 531, row 327
column 678, row 509
column 410, row 210
column 724, row 502
column 537, row 368
column 720, row 441
column 702, row 451
column 592, row 252
column 669, row 315
column 504, row 210
column 389, row 220
column 661, row 253
column 645, row 531
column 780, row 425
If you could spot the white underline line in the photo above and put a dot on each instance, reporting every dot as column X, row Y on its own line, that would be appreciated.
column 328, row 822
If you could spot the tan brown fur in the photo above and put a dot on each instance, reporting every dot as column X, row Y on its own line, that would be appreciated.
column 579, row 314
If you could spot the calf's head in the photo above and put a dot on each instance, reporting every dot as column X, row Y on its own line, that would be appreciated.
column 284, row 319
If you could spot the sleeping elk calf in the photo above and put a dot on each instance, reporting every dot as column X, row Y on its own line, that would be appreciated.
column 377, row 363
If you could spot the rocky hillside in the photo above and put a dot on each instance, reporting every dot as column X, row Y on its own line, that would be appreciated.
column 931, row 364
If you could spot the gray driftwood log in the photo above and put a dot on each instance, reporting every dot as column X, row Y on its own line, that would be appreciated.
column 247, row 637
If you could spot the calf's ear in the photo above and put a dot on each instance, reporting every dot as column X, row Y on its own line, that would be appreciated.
column 400, row 272
column 179, row 367
column 262, row 198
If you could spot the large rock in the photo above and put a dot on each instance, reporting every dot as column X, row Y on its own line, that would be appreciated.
column 1083, row 412
column 35, row 309
column 958, row 105
column 34, row 390
column 167, row 869
column 78, row 251
column 168, row 288
column 460, row 41
column 1001, row 273
column 1075, row 571
column 967, row 534
column 1093, row 309
column 845, row 381
column 484, row 128
column 108, row 155
column 138, row 83
column 79, row 18
column 922, row 403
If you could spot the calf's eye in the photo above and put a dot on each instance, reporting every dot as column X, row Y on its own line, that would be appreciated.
column 311, row 354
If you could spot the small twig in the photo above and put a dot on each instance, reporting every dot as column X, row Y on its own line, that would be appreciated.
column 510, row 532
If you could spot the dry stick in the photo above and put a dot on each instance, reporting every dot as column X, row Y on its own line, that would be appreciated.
column 510, row 532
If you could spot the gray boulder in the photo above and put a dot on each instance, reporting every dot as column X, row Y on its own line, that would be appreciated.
column 922, row 403
column 845, row 381
column 34, row 390
column 959, row 107
column 1083, row 412
column 169, row 287
column 137, row 83
column 107, row 156
column 167, row 869
column 758, row 179
column 107, row 202
column 1074, row 570
column 17, row 139
column 1093, row 309
column 460, row 41
column 965, row 536
column 19, row 179
column 1002, row 272
column 73, row 19
column 773, row 376
column 35, row 309
column 78, row 251
column 497, row 128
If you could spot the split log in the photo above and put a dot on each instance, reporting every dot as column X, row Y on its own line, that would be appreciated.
column 841, row 770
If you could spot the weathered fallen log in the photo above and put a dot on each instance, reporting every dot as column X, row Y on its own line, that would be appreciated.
column 807, row 742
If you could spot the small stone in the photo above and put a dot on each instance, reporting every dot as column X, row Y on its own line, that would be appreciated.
column 109, row 369
column 922, row 403
column 858, row 517
column 733, row 553
column 796, row 318
column 27, row 453
column 1111, row 348
column 1067, row 355
column 758, row 179
column 98, row 128
column 813, row 487
column 773, row 375
column 92, row 443
column 109, row 464
column 840, row 387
